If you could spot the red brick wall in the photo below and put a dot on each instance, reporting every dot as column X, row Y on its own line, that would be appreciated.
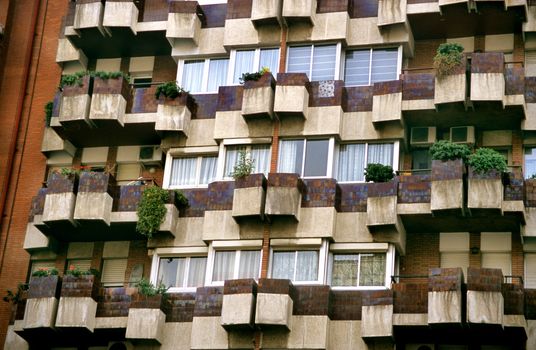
column 517, row 148
column 422, row 253
column 137, row 254
column 518, row 265
column 425, row 50
column 475, row 260
column 165, row 69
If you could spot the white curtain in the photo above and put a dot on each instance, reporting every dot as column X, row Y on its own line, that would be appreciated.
column 167, row 272
column 384, row 65
column 530, row 162
column 351, row 162
column 307, row 265
column 217, row 74
column 261, row 155
column 243, row 64
column 196, row 273
column 372, row 270
column 183, row 171
column 290, row 156
column 270, row 58
column 380, row 153
column 283, row 265
column 249, row 264
column 324, row 59
column 231, row 158
column 223, row 265
column 192, row 76
column 299, row 60
column 344, row 270
column 356, row 68
column 208, row 170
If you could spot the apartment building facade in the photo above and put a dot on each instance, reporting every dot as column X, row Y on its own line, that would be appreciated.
column 302, row 253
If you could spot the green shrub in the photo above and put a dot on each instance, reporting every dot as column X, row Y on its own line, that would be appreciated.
column 44, row 272
column 110, row 75
column 182, row 200
column 69, row 171
column 49, row 107
column 151, row 210
column 76, row 272
column 376, row 172
column 15, row 297
column 448, row 57
column 169, row 90
column 487, row 159
column 72, row 79
column 253, row 76
column 446, row 150
column 145, row 287
column 244, row 167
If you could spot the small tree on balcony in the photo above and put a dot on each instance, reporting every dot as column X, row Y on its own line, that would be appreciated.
column 445, row 150
column 487, row 159
column 448, row 57
column 244, row 166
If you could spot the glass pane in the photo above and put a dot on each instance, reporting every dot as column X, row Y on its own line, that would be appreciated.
column 183, row 172
column 243, row 64
column 217, row 74
column 384, row 65
column 249, row 266
column 299, row 59
column 380, row 153
column 223, row 265
column 345, row 269
column 356, row 68
column 316, row 158
column 324, row 58
column 421, row 159
column 192, row 76
column 231, row 158
column 307, row 266
column 270, row 58
column 530, row 162
column 283, row 265
column 261, row 155
column 196, row 274
column 167, row 271
column 208, row 170
column 351, row 162
column 290, row 156
column 372, row 270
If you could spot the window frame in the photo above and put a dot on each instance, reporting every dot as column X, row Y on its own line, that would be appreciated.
column 155, row 267
column 338, row 56
column 204, row 78
column 198, row 154
column 256, row 61
column 371, row 49
column 329, row 160
column 396, row 157
column 237, row 247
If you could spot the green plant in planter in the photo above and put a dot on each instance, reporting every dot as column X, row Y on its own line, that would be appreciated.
column 253, row 76
column 110, row 75
column 44, row 272
column 76, row 272
column 487, row 159
column 146, row 288
column 445, row 150
column 376, row 172
column 72, row 79
column 244, row 167
column 169, row 90
column 69, row 171
column 182, row 200
column 448, row 57
column 15, row 297
column 49, row 107
column 151, row 210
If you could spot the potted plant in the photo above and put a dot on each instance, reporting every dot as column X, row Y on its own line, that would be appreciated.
column 448, row 59
column 250, row 189
column 450, row 80
column 175, row 108
column 258, row 98
column 487, row 168
column 380, row 176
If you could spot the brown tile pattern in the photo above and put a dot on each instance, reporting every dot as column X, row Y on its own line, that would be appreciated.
column 445, row 279
column 188, row 7
column 311, row 300
column 129, row 198
column 514, row 80
column 220, row 195
column 184, row 99
column 253, row 180
column 514, row 299
column 292, row 79
column 91, row 181
column 143, row 100
column 238, row 9
column 114, row 302
column 286, row 180
column 267, row 79
column 44, row 287
column 38, row 204
column 85, row 88
column 155, row 10
column 111, row 86
column 58, row 183
column 418, row 86
column 230, row 98
column 530, row 304
column 377, row 297
column 80, row 287
column 383, row 189
column 484, row 280
column 364, row 8
column 387, row 87
column 410, row 298
column 275, row 286
column 357, row 99
column 241, row 286
column 158, row 301
column 206, row 106
column 326, row 6
column 197, row 202
column 530, row 193
column 448, row 170
column 208, row 301
column 414, row 188
column 321, row 193
column 180, row 307
column 345, row 305
column 316, row 99
column 530, row 89
column 215, row 15
column 490, row 175
column 487, row 62
column 353, row 197
column 514, row 189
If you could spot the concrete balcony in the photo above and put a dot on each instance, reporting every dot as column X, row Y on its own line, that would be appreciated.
column 75, row 104
column 487, row 78
column 52, row 142
column 299, row 11
column 41, row 307
column 292, row 95
column 485, row 302
column 274, row 303
column 238, row 306
column 184, row 22
column 266, row 12
column 447, row 186
column 249, row 197
column 387, row 102
column 58, row 210
column 94, row 199
column 283, row 195
column 174, row 115
column 120, row 15
column 258, row 98
column 146, row 319
column 391, row 12
column 484, row 192
column 67, row 52
column 109, row 101
column 377, row 315
column 445, row 299
column 451, row 88
column 88, row 17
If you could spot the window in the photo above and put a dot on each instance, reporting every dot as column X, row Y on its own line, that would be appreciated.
column 140, row 83
column 496, row 251
column 182, row 272
column 454, row 250
column 353, row 159
column 235, row 264
column 308, row 158
column 248, row 61
column 366, row 67
column 259, row 153
column 42, row 265
column 530, row 162
column 113, row 272
column 204, row 75
column 319, row 62
column 193, row 171
column 296, row 265
column 357, row 270
column 530, row 270
column 421, row 159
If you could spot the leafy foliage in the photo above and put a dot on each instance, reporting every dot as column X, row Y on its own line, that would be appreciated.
column 446, row 150
column 253, row 76
column 376, row 172
column 244, row 167
column 76, row 272
column 151, row 210
column 44, row 272
column 448, row 58
column 145, row 287
column 69, row 171
column 72, row 79
column 49, row 107
column 15, row 297
column 110, row 75
column 486, row 159
column 182, row 200
column 169, row 90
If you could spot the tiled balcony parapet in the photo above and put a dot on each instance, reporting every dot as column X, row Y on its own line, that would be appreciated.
column 513, row 190
column 129, row 197
column 487, row 76
column 184, row 22
column 326, row 93
column 311, row 300
column 174, row 115
column 299, row 11
column 447, row 185
column 485, row 191
column 514, row 299
column 283, row 195
column 274, row 303
column 42, row 303
column 181, row 307
column 292, row 95
column 377, row 314
column 206, row 106
column 38, row 204
column 208, row 302
column 258, row 98
column 353, row 197
column 78, row 302
column 85, row 286
column 230, row 98
column 357, row 99
column 387, row 102
column 514, row 80
column 418, row 86
column 120, row 14
column 109, row 101
column 60, row 199
column 75, row 103
column 530, row 304
column 143, row 100
column 146, row 318
column 239, row 303
column 220, row 195
column 451, row 88
column 266, row 12
column 197, row 202
column 530, row 192
column 414, row 188
column 530, row 89
column 249, row 196
column 321, row 193
column 345, row 305
column 410, row 298
column 114, row 302
column 445, row 297
column 485, row 302
column 94, row 201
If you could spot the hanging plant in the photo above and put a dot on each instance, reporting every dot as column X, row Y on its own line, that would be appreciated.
column 169, row 90
column 448, row 57
column 151, row 210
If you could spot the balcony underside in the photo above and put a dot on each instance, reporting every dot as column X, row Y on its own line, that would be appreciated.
column 94, row 231
column 456, row 21
column 67, row 337
column 422, row 223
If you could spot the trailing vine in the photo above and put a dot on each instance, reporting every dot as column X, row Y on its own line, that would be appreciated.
column 151, row 210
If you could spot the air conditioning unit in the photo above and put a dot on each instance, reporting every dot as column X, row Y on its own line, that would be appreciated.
column 150, row 155
column 420, row 347
column 120, row 345
column 462, row 134
column 423, row 136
